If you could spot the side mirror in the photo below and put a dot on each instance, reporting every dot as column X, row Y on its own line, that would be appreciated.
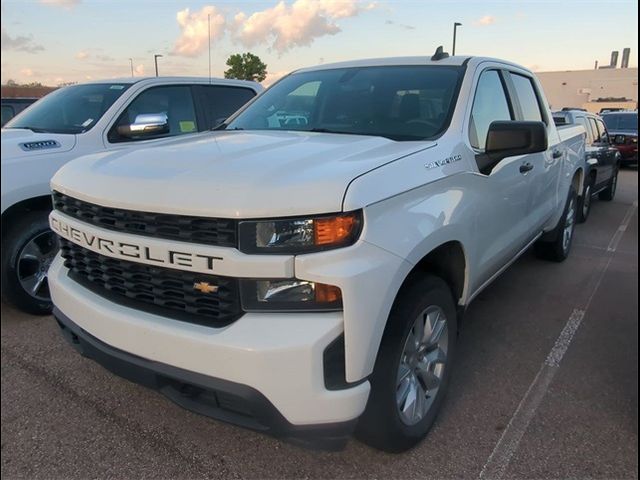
column 146, row 125
column 509, row 139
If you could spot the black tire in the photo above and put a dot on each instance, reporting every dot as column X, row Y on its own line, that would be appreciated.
column 584, row 202
column 610, row 192
column 29, row 230
column 553, row 246
column 381, row 425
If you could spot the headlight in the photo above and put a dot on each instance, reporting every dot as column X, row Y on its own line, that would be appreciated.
column 300, row 235
column 289, row 295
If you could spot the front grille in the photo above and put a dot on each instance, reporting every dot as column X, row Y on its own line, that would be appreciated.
column 162, row 291
column 221, row 232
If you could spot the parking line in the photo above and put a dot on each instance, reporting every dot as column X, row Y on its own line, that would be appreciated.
column 613, row 244
column 509, row 441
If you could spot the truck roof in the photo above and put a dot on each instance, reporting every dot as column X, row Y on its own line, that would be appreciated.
column 175, row 79
column 458, row 60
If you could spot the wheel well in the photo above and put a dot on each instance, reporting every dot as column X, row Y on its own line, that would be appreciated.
column 446, row 261
column 29, row 205
column 578, row 181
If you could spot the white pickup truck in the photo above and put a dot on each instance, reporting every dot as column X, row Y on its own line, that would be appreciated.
column 307, row 278
column 100, row 116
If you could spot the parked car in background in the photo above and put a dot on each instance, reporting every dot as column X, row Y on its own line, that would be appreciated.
column 306, row 277
column 602, row 159
column 623, row 128
column 13, row 106
column 97, row 117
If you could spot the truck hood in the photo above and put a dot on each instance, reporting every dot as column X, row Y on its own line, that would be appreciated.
column 232, row 174
column 20, row 143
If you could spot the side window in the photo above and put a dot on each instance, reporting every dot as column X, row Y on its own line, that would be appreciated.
column 7, row 113
column 583, row 121
column 489, row 105
column 594, row 130
column 528, row 98
column 603, row 136
column 219, row 102
column 174, row 101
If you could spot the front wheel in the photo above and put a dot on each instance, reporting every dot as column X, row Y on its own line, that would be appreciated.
column 28, row 249
column 557, row 244
column 412, row 369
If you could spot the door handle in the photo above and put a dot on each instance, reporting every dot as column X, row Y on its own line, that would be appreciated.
column 556, row 154
column 526, row 167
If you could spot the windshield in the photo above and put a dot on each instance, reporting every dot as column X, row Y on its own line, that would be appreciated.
column 621, row 121
column 72, row 109
column 398, row 102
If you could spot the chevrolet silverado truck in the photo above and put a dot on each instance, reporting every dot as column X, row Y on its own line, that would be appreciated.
column 303, row 270
column 602, row 158
column 77, row 120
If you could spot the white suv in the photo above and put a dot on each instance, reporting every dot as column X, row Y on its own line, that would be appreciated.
column 99, row 117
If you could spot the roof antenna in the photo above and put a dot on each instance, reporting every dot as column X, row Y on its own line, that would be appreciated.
column 440, row 54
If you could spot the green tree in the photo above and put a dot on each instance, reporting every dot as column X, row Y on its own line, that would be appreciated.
column 246, row 66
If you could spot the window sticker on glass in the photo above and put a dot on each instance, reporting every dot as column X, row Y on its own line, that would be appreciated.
column 116, row 87
column 187, row 126
column 87, row 122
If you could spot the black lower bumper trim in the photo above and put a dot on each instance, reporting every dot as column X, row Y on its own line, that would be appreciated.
column 213, row 397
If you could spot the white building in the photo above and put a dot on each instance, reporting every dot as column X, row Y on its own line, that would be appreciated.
column 591, row 89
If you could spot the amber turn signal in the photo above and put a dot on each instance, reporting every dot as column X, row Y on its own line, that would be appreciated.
column 334, row 230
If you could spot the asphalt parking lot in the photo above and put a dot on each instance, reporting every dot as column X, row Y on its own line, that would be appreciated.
column 545, row 386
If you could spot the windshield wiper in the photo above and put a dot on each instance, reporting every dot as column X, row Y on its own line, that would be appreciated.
column 328, row 130
column 33, row 129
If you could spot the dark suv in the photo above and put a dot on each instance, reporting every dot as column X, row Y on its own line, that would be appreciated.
column 623, row 128
column 602, row 157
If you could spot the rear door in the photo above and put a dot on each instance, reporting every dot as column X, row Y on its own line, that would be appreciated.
column 545, row 174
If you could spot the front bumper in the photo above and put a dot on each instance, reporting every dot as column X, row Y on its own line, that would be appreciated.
column 213, row 397
column 277, row 357
column 628, row 153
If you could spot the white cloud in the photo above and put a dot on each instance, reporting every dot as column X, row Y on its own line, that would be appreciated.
column 298, row 24
column 139, row 70
column 194, row 36
column 486, row 20
column 27, row 72
column 82, row 55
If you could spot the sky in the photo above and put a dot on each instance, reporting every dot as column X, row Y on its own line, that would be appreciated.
column 61, row 41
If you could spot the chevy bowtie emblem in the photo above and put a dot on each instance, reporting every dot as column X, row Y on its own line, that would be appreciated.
column 205, row 287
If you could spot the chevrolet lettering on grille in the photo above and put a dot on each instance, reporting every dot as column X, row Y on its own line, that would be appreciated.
column 134, row 251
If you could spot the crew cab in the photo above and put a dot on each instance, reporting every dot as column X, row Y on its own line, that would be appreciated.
column 101, row 116
column 623, row 128
column 307, row 278
column 602, row 158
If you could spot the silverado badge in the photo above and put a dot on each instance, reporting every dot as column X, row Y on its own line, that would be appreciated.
column 205, row 287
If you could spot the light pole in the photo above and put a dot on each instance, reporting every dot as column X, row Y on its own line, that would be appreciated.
column 455, row 27
column 155, row 60
column 131, row 64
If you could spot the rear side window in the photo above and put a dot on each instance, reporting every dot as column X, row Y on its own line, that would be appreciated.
column 527, row 97
column 219, row 102
column 602, row 132
column 174, row 101
column 583, row 121
column 489, row 105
